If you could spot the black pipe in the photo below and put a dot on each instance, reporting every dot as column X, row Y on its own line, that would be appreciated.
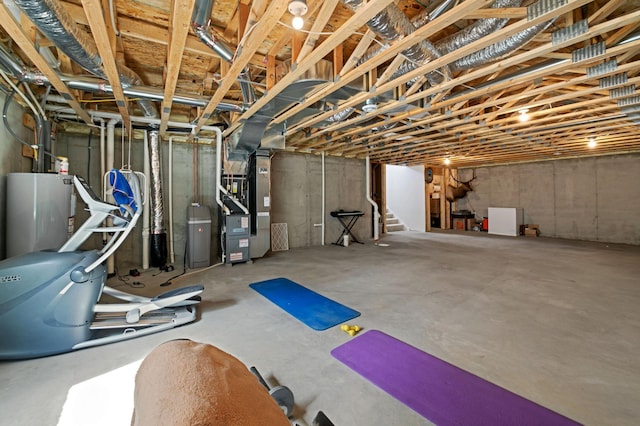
column 158, row 243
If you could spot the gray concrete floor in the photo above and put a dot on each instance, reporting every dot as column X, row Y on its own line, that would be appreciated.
column 554, row 321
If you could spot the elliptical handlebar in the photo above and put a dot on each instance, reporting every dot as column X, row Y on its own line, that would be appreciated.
column 100, row 211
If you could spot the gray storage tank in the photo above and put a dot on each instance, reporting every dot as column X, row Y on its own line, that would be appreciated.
column 199, row 236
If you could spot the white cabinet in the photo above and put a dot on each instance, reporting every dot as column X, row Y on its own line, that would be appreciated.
column 505, row 220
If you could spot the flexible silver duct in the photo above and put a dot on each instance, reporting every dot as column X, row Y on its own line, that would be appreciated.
column 499, row 50
column 200, row 24
column 54, row 22
column 390, row 25
column 477, row 30
column 157, row 220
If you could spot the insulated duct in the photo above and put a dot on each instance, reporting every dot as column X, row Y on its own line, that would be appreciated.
column 392, row 24
column 499, row 50
column 477, row 30
column 158, row 241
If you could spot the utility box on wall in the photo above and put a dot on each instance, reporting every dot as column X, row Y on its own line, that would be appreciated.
column 199, row 236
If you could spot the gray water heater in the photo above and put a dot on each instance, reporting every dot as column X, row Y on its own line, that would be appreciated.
column 39, row 208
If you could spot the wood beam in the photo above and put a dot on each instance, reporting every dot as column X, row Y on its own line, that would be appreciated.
column 101, row 36
column 318, row 25
column 180, row 19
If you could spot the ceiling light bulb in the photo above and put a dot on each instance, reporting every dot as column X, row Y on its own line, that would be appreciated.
column 592, row 143
column 297, row 22
column 523, row 115
column 447, row 161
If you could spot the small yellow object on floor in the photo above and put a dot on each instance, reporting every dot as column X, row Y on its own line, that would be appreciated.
column 352, row 330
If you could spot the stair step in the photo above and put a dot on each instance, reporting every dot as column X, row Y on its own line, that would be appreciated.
column 393, row 221
column 395, row 227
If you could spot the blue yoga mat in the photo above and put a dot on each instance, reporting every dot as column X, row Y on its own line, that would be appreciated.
column 313, row 309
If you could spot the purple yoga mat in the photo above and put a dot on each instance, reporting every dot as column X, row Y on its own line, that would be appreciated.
column 441, row 392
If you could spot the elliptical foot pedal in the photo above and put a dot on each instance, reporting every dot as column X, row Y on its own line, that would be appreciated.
column 321, row 420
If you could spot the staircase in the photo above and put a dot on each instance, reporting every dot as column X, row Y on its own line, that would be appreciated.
column 393, row 223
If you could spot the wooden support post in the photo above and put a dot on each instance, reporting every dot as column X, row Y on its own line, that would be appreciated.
column 447, row 207
column 296, row 45
column 427, row 206
column 383, row 196
column 271, row 71
column 338, row 60
column 443, row 200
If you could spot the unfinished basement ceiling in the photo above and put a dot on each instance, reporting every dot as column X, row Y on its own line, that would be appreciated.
column 473, row 66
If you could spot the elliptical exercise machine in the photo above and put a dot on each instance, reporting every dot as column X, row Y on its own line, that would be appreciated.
column 49, row 299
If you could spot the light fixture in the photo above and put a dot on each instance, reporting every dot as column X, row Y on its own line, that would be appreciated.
column 524, row 117
column 447, row 161
column 298, row 8
column 592, row 143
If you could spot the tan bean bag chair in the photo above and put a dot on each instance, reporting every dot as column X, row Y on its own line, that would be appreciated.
column 182, row 382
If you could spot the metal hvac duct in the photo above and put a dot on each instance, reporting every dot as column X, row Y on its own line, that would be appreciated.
column 392, row 24
column 200, row 24
column 499, row 50
column 477, row 30
column 158, row 237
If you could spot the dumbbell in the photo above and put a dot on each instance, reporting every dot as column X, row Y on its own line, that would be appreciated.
column 282, row 394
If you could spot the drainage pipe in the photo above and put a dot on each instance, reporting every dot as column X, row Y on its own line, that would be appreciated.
column 376, row 213
column 172, row 256
column 103, row 141
column 219, row 175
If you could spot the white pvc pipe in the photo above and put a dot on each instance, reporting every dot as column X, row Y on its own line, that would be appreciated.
column 146, row 215
column 219, row 187
column 111, row 126
column 172, row 255
column 323, row 199
column 102, row 151
column 376, row 213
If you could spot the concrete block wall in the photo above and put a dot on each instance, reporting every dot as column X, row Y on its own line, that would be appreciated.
column 595, row 198
column 296, row 192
